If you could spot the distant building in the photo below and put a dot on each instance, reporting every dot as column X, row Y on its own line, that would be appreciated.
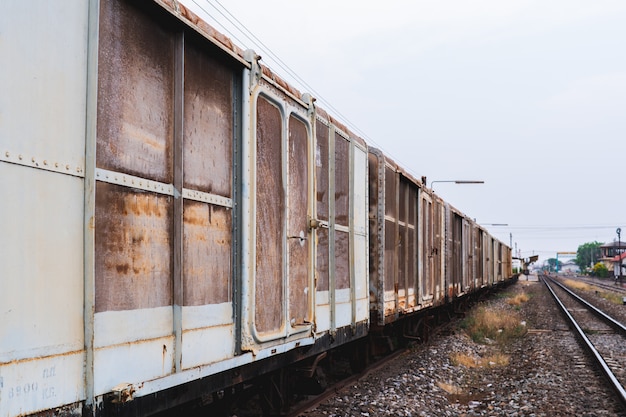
column 569, row 267
column 614, row 257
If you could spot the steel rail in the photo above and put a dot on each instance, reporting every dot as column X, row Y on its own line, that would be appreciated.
column 615, row 384
column 608, row 319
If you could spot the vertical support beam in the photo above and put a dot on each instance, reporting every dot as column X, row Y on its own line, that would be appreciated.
column 90, row 202
column 312, row 204
column 397, row 249
column 177, row 241
column 332, row 281
column 237, row 252
column 351, row 255
column 381, row 235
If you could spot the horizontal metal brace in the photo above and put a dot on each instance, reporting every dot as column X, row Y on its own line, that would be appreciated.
column 132, row 181
column 42, row 163
column 203, row 197
column 126, row 180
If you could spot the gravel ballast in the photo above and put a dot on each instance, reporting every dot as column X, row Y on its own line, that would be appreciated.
column 548, row 373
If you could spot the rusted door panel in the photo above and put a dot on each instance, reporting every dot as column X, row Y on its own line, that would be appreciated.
column 427, row 283
column 342, row 180
column 342, row 260
column 374, row 232
column 207, row 167
column 207, row 254
column 135, row 87
column 322, row 261
column 479, row 258
column 456, row 254
column 297, row 229
column 391, row 233
column 438, row 250
column 412, row 247
column 208, row 127
column 321, row 170
column 270, row 198
column 390, row 255
column 402, row 242
column 133, row 249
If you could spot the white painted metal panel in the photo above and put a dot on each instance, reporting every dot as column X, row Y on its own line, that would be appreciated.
column 116, row 327
column 209, row 334
column 197, row 317
column 41, row 301
column 343, row 307
column 35, row 385
column 208, row 345
column 322, row 311
column 361, row 267
column 43, row 49
column 132, row 362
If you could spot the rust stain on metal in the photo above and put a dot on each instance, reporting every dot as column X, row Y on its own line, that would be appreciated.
column 208, row 127
column 207, row 252
column 321, row 169
column 133, row 249
column 342, row 260
column 135, row 85
column 298, row 194
column 342, row 180
column 322, row 262
column 270, row 211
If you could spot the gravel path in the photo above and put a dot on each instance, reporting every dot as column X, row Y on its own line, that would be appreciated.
column 547, row 375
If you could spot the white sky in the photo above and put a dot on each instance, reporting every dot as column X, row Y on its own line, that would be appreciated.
column 528, row 96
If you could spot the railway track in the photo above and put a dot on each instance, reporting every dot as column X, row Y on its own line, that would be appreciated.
column 602, row 336
column 605, row 284
column 313, row 402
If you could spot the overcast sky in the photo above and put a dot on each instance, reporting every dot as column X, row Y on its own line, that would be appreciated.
column 528, row 96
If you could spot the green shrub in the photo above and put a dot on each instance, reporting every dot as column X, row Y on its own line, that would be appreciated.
column 600, row 270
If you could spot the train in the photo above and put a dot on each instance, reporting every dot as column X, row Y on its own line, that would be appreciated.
column 177, row 219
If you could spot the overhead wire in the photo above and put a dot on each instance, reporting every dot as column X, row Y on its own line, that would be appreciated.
column 264, row 49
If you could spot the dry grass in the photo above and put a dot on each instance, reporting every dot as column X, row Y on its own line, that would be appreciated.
column 489, row 324
column 469, row 361
column 577, row 285
column 518, row 300
column 612, row 297
column 609, row 296
column 449, row 388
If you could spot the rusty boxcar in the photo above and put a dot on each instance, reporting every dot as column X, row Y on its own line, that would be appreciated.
column 177, row 219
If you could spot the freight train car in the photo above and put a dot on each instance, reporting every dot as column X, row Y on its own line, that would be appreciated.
column 424, row 253
column 178, row 220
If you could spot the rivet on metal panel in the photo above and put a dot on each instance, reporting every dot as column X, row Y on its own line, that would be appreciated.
column 45, row 162
column 6, row 154
column 32, row 159
column 67, row 167
column 20, row 157
column 56, row 164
